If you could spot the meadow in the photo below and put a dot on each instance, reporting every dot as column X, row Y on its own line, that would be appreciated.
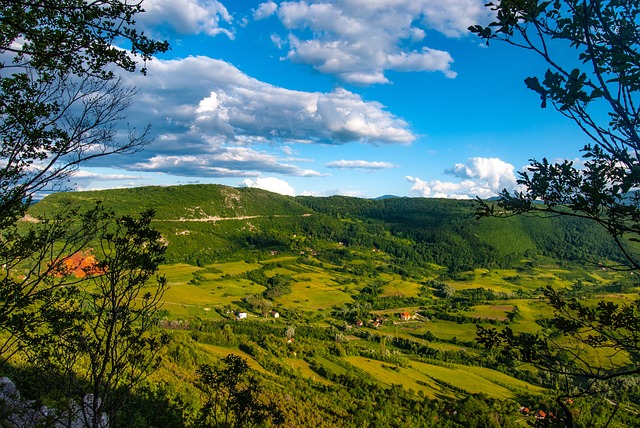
column 218, row 292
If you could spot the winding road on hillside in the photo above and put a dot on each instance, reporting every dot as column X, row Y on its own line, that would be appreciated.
column 243, row 217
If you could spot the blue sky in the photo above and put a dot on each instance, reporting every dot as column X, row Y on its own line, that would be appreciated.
column 353, row 97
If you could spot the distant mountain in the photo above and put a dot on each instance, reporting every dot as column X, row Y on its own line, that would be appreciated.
column 387, row 197
column 203, row 223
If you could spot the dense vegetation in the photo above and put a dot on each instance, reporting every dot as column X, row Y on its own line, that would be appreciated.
column 326, row 283
column 205, row 223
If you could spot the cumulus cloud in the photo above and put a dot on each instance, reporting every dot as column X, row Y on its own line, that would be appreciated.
column 85, row 179
column 271, row 184
column 221, row 162
column 87, row 175
column 186, row 16
column 359, row 164
column 265, row 10
column 335, row 191
column 204, row 96
column 358, row 40
column 496, row 173
column 208, row 118
column 481, row 177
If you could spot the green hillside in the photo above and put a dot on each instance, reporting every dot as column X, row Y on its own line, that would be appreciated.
column 341, row 273
column 204, row 223
column 196, row 201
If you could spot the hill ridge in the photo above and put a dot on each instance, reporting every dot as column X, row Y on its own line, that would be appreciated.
column 417, row 231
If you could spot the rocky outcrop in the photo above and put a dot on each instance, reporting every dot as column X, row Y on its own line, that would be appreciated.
column 18, row 413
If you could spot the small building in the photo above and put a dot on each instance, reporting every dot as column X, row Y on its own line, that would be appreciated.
column 241, row 315
column 275, row 314
column 405, row 316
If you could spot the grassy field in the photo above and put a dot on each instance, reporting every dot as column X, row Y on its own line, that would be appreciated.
column 493, row 312
column 401, row 377
column 476, row 380
column 302, row 367
column 313, row 296
column 221, row 352
column 317, row 289
column 447, row 330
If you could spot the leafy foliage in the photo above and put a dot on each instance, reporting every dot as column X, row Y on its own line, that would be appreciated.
column 603, row 76
column 605, row 37
column 233, row 396
column 99, row 336
column 60, row 99
column 33, row 267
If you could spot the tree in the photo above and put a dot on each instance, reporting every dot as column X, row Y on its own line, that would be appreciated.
column 33, row 265
column 598, row 90
column 59, row 97
column 60, row 101
column 233, row 396
column 100, row 336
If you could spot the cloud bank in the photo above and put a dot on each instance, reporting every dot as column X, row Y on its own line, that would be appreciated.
column 183, row 17
column 359, row 164
column 209, row 118
column 481, row 177
column 271, row 184
column 359, row 40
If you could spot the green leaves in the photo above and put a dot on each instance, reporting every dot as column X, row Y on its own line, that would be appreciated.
column 74, row 36
column 592, row 50
column 234, row 396
column 60, row 97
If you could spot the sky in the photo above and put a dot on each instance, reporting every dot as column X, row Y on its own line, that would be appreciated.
column 351, row 97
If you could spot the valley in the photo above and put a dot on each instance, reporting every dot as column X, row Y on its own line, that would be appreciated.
column 344, row 305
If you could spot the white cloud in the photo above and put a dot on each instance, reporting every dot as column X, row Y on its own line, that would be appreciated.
column 358, row 40
column 86, row 175
column 207, row 115
column 186, row 16
column 265, row 10
column 337, row 191
column 496, row 173
column 482, row 177
column 88, row 179
column 221, row 162
column 271, row 184
column 359, row 164
column 204, row 96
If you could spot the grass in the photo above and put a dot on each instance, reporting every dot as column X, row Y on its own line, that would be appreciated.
column 476, row 380
column 303, row 368
column 331, row 366
column 398, row 287
column 390, row 374
column 447, row 330
column 220, row 352
column 235, row 268
column 492, row 312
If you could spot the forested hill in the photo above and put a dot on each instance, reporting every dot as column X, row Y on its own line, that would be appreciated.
column 203, row 223
column 196, row 201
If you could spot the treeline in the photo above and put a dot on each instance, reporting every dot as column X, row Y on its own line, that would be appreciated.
column 412, row 231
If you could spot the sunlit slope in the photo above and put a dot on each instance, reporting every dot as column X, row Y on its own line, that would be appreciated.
column 189, row 202
column 204, row 223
